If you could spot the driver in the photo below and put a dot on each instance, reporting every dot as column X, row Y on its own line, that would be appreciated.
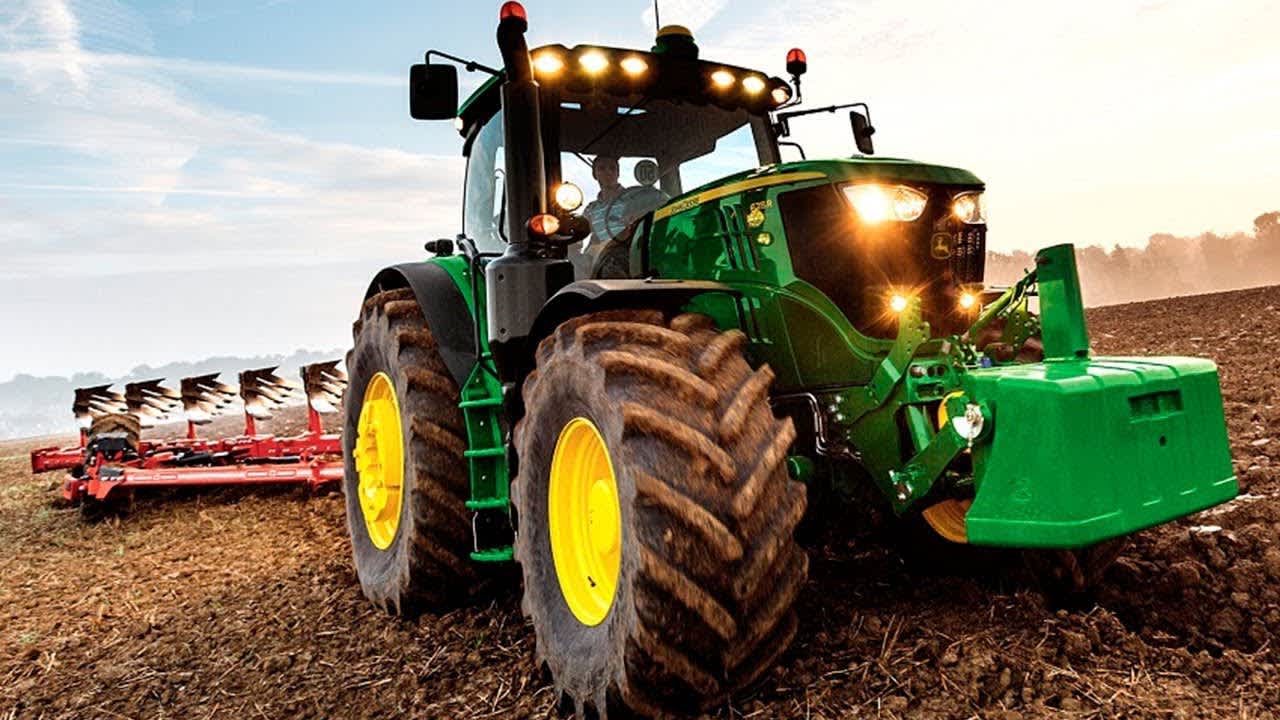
column 606, row 172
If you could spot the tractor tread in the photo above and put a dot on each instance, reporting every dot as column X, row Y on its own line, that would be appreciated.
column 689, row 593
column 716, row 570
column 720, row 540
column 744, row 402
column 427, row 565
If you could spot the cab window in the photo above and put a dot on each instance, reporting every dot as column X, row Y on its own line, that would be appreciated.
column 486, row 188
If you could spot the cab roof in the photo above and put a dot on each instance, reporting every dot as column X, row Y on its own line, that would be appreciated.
column 649, row 75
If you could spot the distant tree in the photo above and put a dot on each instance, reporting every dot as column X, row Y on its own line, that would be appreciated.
column 1266, row 234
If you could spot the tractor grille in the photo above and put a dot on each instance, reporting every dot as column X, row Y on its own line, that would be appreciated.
column 858, row 266
column 969, row 254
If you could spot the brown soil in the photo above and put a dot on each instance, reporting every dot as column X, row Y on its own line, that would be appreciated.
column 244, row 604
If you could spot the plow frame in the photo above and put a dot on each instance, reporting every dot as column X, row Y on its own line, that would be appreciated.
column 105, row 471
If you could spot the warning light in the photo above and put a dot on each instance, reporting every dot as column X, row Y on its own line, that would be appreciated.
column 544, row 224
column 513, row 10
column 797, row 62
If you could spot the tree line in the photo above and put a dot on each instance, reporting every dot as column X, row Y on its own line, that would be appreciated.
column 1166, row 266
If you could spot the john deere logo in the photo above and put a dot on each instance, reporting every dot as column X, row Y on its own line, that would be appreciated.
column 755, row 218
column 940, row 246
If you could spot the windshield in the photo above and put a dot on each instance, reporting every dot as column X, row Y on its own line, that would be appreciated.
column 628, row 155
column 631, row 158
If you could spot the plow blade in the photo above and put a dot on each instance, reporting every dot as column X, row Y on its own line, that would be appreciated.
column 263, row 390
column 324, row 384
column 204, row 397
column 91, row 402
column 1084, row 450
column 151, row 402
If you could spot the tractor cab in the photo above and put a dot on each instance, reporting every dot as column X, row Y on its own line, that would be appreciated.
column 627, row 136
column 623, row 133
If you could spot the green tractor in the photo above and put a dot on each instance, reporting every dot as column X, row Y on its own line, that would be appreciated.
column 634, row 400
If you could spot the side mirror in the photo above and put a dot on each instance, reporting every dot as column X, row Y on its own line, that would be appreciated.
column 433, row 92
column 862, row 132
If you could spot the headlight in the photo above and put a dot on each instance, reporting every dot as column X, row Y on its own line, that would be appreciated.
column 594, row 62
column 877, row 203
column 568, row 196
column 969, row 208
column 723, row 79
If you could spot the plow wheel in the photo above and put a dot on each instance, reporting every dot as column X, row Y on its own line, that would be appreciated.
column 113, row 433
column 405, row 478
column 656, row 515
column 122, row 425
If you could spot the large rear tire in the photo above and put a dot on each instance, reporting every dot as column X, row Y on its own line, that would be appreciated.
column 707, row 567
column 410, row 532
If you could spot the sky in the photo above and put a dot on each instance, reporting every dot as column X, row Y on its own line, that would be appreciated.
column 193, row 178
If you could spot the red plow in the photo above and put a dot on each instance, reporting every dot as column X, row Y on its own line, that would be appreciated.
column 112, row 459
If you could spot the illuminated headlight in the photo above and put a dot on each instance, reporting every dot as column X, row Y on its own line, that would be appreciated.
column 969, row 426
column 594, row 62
column 877, row 203
column 548, row 63
column 568, row 196
column 969, row 208
column 634, row 66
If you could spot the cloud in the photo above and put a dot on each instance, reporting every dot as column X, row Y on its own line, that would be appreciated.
column 113, row 165
column 35, row 61
column 1118, row 117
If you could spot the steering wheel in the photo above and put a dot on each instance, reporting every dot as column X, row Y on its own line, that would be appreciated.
column 635, row 201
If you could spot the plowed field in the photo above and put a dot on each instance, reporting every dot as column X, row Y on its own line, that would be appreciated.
column 244, row 604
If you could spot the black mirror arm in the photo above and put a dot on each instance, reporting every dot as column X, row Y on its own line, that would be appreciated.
column 796, row 145
column 786, row 116
column 468, row 65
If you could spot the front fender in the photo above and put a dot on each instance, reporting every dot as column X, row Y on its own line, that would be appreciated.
column 448, row 311
column 586, row 296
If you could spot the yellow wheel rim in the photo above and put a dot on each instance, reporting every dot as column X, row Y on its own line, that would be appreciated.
column 379, row 456
column 585, row 521
column 943, row 415
column 947, row 518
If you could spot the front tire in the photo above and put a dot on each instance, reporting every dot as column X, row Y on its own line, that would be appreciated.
column 709, row 567
column 405, row 477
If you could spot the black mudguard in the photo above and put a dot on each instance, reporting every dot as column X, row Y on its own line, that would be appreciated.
column 594, row 295
column 444, row 307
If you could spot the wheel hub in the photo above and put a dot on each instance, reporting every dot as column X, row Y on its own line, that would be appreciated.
column 379, row 458
column 584, row 521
